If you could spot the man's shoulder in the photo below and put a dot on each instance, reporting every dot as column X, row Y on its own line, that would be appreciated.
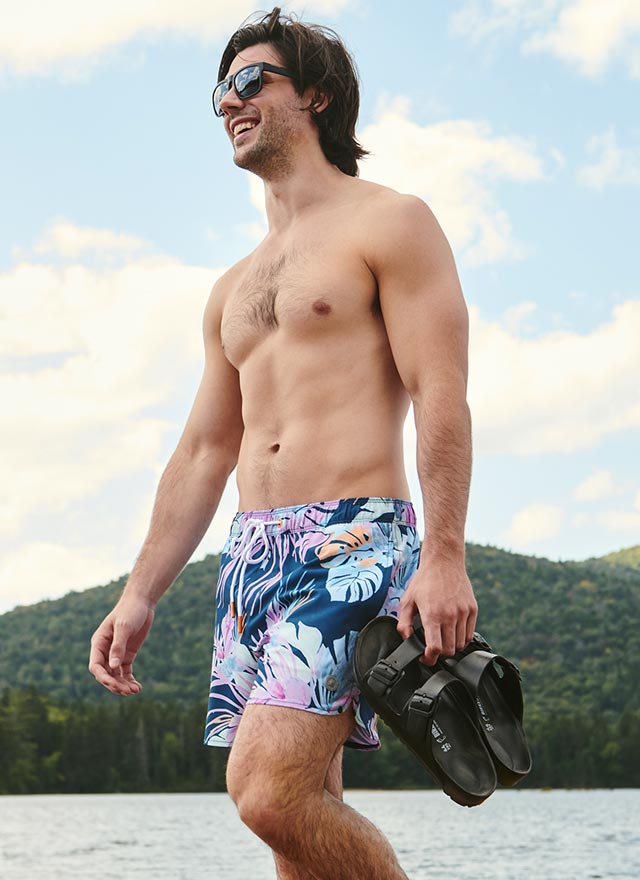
column 384, row 204
column 222, row 286
column 225, row 283
column 389, row 219
column 231, row 276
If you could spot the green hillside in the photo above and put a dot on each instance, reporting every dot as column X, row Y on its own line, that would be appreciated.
column 629, row 557
column 571, row 627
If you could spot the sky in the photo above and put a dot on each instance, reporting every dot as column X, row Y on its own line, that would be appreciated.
column 516, row 121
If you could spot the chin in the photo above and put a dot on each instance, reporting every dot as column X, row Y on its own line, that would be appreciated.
column 243, row 162
column 249, row 160
column 263, row 159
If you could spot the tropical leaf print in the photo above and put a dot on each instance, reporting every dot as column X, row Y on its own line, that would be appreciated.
column 358, row 558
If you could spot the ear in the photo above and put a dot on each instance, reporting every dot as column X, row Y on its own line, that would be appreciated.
column 320, row 101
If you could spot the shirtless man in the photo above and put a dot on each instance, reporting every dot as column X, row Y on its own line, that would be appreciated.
column 315, row 345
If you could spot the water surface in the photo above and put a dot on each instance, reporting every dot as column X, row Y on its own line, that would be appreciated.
column 515, row 835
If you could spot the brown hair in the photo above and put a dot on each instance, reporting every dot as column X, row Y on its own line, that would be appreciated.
column 317, row 57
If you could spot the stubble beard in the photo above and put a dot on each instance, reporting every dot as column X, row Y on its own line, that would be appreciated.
column 269, row 157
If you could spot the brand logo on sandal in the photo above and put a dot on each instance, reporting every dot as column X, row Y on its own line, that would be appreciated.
column 440, row 737
column 486, row 720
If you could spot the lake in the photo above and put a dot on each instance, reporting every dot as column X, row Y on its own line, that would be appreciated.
column 515, row 835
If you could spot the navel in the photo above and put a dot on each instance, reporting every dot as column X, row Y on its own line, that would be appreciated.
column 275, row 447
column 320, row 307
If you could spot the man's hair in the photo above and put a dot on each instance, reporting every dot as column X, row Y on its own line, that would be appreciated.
column 317, row 57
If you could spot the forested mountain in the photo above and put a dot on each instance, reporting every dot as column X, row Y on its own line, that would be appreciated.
column 572, row 627
column 629, row 557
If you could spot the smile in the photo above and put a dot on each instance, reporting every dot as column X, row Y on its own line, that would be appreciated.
column 243, row 127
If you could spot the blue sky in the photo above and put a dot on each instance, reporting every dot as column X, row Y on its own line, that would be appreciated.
column 121, row 206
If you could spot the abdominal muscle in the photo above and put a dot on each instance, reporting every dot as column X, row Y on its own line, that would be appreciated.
column 323, row 421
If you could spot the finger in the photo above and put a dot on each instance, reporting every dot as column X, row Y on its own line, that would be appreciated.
column 471, row 624
column 433, row 641
column 461, row 633
column 98, row 666
column 123, row 679
column 118, row 650
column 127, row 671
column 100, row 642
column 448, row 631
column 405, row 618
column 104, row 675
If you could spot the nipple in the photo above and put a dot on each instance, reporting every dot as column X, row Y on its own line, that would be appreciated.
column 320, row 307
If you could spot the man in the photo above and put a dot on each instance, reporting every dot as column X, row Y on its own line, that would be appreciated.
column 315, row 345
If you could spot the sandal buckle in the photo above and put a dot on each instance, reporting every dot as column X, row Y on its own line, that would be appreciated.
column 422, row 704
column 382, row 676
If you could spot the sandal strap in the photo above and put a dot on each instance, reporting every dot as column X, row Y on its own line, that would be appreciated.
column 424, row 702
column 388, row 671
column 472, row 667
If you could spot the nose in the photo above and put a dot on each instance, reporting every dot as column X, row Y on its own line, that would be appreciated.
column 230, row 100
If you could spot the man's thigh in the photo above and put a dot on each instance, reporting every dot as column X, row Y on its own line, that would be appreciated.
column 291, row 752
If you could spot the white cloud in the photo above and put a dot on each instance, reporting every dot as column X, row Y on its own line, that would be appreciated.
column 455, row 166
column 515, row 317
column 559, row 392
column 580, row 520
column 128, row 345
column 588, row 34
column 597, row 485
column 73, row 36
column 42, row 570
column 479, row 20
column 256, row 230
column 612, row 163
column 534, row 523
column 71, row 242
column 621, row 521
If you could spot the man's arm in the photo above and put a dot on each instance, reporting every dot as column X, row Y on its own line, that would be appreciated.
column 187, row 498
column 427, row 324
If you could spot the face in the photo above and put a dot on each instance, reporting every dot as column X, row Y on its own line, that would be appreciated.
column 264, row 149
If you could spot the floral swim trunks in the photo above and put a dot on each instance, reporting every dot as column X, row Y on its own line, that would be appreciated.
column 296, row 586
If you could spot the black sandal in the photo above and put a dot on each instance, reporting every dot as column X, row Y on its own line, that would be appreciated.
column 427, row 708
column 495, row 686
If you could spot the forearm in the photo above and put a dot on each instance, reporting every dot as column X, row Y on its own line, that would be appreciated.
column 186, row 500
column 443, row 428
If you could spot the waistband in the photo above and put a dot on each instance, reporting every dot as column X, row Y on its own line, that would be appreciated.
column 327, row 513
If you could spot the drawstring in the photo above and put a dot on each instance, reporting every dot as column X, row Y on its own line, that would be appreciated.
column 242, row 546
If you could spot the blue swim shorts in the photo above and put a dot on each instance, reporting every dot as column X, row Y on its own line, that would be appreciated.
column 296, row 586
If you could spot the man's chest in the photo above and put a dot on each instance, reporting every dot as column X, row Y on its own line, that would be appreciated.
column 304, row 292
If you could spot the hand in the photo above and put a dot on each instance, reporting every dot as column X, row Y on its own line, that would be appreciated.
column 441, row 593
column 116, row 642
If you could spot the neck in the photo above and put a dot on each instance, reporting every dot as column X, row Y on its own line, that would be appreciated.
column 307, row 183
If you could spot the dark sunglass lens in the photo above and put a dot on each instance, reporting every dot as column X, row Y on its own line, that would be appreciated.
column 218, row 94
column 247, row 81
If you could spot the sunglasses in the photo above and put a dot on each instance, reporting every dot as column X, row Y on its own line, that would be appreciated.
column 247, row 82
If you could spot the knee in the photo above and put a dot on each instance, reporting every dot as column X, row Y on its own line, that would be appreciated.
column 270, row 817
column 263, row 806
column 265, row 817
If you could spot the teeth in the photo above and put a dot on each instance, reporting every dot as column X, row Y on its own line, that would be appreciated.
column 243, row 126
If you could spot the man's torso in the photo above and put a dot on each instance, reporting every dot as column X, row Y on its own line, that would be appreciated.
column 322, row 403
